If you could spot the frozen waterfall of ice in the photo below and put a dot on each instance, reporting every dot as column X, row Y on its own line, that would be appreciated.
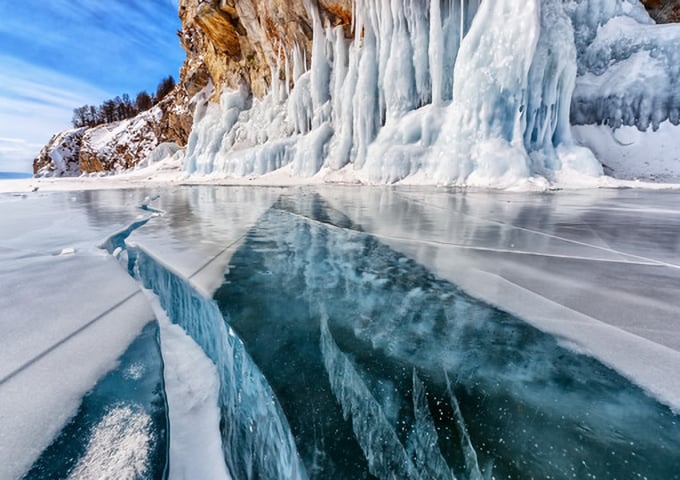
column 629, row 68
column 458, row 92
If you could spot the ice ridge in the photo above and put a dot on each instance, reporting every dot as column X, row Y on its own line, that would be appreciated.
column 256, row 438
column 387, row 457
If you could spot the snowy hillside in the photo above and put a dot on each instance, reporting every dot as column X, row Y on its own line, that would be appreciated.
column 118, row 146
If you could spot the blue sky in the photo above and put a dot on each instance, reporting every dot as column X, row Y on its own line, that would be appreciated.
column 57, row 55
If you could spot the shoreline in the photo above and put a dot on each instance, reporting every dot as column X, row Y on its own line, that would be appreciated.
column 157, row 176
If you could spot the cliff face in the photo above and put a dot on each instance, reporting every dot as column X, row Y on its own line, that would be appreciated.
column 663, row 11
column 238, row 41
column 231, row 44
column 120, row 145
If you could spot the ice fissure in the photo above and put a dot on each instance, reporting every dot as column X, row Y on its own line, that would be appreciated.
column 458, row 92
column 336, row 356
column 256, row 439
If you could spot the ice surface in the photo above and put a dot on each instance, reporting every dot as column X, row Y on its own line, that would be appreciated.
column 121, row 427
column 211, row 221
column 55, row 345
column 569, row 263
column 307, row 271
column 415, row 332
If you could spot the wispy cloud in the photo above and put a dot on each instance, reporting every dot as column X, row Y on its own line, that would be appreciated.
column 12, row 151
column 35, row 103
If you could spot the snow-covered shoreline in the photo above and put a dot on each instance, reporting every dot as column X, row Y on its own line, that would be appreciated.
column 163, row 175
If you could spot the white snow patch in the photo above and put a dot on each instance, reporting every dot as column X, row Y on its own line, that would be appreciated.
column 118, row 448
column 192, row 390
column 627, row 153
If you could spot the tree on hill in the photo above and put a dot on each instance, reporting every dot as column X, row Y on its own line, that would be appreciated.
column 120, row 108
column 165, row 87
column 143, row 102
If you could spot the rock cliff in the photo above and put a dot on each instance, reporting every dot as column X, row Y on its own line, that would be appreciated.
column 120, row 145
column 238, row 41
column 663, row 11
column 245, row 44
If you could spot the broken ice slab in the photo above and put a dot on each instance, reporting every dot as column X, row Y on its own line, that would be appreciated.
column 121, row 428
column 200, row 228
column 65, row 319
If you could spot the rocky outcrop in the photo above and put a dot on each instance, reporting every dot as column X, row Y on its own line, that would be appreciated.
column 663, row 11
column 120, row 145
column 61, row 156
column 241, row 42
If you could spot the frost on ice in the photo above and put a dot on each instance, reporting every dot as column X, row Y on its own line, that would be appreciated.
column 450, row 92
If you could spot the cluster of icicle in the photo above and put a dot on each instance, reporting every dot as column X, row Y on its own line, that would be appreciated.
column 456, row 92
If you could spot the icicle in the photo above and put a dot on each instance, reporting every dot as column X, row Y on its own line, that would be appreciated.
column 299, row 63
column 275, row 70
column 418, row 26
column 436, row 52
column 462, row 21
column 484, row 132
column 366, row 97
column 287, row 74
column 340, row 151
column 340, row 69
column 320, row 70
column 397, row 82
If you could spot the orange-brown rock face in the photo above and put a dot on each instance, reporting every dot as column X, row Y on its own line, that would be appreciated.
column 663, row 11
column 240, row 41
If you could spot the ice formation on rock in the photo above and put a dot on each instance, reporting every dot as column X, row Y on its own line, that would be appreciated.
column 451, row 92
column 629, row 67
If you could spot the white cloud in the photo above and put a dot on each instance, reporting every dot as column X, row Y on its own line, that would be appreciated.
column 35, row 103
column 16, row 154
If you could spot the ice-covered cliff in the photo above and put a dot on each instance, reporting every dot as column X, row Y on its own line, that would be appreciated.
column 463, row 92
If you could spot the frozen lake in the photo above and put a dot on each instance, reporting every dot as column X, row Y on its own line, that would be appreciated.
column 339, row 332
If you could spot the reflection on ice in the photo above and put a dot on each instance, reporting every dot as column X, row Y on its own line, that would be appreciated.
column 343, row 342
column 501, row 394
